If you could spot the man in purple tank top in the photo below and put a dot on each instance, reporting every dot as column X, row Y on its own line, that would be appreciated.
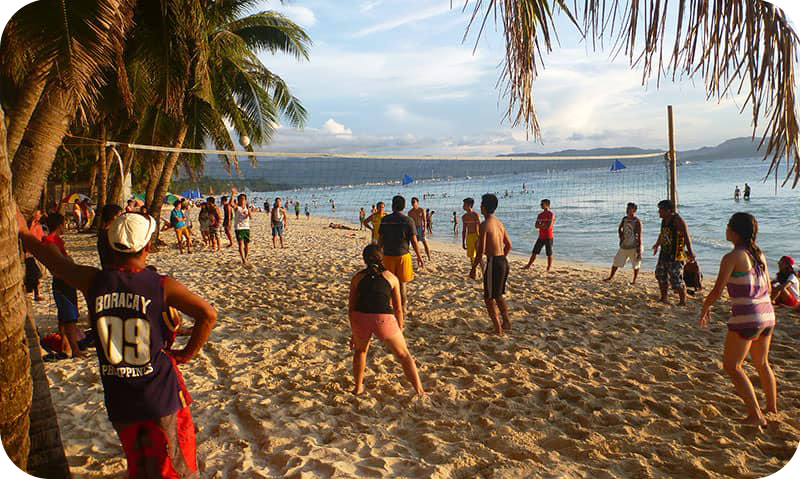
column 146, row 399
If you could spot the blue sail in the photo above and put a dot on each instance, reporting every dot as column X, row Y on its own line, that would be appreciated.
column 407, row 179
column 617, row 166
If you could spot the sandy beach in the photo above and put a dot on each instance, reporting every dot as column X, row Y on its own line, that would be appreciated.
column 594, row 380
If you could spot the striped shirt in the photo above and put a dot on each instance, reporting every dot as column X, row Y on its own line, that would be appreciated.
column 751, row 306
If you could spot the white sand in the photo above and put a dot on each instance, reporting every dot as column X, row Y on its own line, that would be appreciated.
column 595, row 379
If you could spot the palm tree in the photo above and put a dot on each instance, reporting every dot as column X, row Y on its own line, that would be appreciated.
column 229, row 84
column 735, row 45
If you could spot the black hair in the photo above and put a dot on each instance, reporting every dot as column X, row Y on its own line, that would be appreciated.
column 373, row 258
column 545, row 201
column 241, row 196
column 470, row 201
column 489, row 202
column 224, row 199
column 633, row 206
column 109, row 212
column 380, row 203
column 666, row 205
column 414, row 199
column 746, row 226
column 53, row 221
column 398, row 203
column 211, row 200
column 176, row 203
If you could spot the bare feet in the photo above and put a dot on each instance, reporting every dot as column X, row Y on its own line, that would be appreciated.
column 682, row 303
column 607, row 279
column 526, row 266
column 358, row 390
column 507, row 326
column 758, row 421
column 664, row 300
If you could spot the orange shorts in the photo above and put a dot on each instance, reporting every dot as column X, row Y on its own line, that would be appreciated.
column 401, row 267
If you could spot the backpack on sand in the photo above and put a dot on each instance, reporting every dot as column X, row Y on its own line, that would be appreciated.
column 692, row 277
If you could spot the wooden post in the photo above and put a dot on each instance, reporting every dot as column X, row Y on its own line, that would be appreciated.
column 673, row 163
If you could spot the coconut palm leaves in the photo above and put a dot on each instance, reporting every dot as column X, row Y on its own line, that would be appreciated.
column 737, row 46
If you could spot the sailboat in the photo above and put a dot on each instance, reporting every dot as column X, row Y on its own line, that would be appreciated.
column 617, row 166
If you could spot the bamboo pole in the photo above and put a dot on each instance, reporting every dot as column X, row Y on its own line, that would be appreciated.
column 673, row 163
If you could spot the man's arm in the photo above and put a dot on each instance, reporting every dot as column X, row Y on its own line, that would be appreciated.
column 506, row 242
column 685, row 230
column 416, row 246
column 76, row 276
column 639, row 239
column 285, row 218
column 368, row 223
column 204, row 315
column 463, row 233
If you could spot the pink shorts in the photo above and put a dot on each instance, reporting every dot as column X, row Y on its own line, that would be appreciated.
column 382, row 325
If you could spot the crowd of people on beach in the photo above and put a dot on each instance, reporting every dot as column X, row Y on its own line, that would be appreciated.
column 134, row 323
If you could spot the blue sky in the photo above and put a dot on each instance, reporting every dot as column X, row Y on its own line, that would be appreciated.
column 395, row 77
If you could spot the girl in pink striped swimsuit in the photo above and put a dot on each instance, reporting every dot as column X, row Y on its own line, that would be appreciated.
column 744, row 272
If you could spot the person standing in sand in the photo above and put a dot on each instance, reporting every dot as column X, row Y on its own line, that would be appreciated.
column 630, row 243
column 227, row 214
column 493, row 242
column 743, row 271
column 418, row 215
column 455, row 224
column 213, row 224
column 469, row 232
column 145, row 396
column 178, row 221
column 362, row 215
column 397, row 231
column 375, row 308
column 278, row 219
column 373, row 222
column 544, row 222
column 241, row 225
column 672, row 240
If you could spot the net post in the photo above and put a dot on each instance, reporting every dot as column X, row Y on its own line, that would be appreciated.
column 672, row 166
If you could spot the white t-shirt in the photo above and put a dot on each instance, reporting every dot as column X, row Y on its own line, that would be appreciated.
column 241, row 218
column 794, row 286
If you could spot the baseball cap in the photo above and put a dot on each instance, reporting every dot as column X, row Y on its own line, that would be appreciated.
column 131, row 232
column 787, row 259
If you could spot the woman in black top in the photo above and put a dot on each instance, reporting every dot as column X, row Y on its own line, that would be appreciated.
column 375, row 308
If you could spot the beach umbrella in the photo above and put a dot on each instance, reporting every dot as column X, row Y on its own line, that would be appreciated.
column 72, row 197
column 170, row 198
column 407, row 180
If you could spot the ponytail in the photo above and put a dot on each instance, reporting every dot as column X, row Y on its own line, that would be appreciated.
column 373, row 258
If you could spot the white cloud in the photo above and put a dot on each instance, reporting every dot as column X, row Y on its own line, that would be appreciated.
column 333, row 127
column 301, row 15
column 397, row 113
column 367, row 6
column 440, row 9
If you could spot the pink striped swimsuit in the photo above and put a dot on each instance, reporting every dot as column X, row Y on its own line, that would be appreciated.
column 751, row 306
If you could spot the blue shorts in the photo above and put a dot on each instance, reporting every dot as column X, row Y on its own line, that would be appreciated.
column 67, row 306
column 420, row 233
column 277, row 230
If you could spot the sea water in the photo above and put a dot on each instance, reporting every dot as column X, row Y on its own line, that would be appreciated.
column 589, row 204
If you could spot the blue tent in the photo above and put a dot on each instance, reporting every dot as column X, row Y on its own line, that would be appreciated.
column 407, row 179
column 617, row 166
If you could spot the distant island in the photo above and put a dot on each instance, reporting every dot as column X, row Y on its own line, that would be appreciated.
column 741, row 147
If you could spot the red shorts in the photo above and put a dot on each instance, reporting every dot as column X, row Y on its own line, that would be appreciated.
column 160, row 448
column 790, row 300
column 382, row 325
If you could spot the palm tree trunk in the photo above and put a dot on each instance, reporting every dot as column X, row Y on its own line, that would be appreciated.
column 46, row 458
column 93, row 175
column 166, row 176
column 40, row 142
column 156, row 167
column 26, row 105
column 15, row 378
column 103, row 187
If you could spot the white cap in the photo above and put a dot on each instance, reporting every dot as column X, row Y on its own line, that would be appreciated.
column 131, row 232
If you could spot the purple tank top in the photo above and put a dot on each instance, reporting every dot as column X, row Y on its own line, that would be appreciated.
column 139, row 380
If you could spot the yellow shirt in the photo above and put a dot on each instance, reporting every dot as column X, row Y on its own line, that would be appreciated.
column 376, row 224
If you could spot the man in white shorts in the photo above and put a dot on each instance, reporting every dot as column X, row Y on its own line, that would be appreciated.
column 630, row 243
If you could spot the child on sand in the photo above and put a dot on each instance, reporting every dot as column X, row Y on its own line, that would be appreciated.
column 469, row 231
column 744, row 272
column 375, row 307
column 145, row 397
column 493, row 241
column 64, row 295
column 544, row 222
column 785, row 287
column 630, row 243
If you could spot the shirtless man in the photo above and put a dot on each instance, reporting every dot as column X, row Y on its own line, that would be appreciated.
column 493, row 241
column 469, row 231
column 227, row 216
column 418, row 215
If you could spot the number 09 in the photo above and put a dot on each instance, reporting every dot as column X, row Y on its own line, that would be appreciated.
column 127, row 340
